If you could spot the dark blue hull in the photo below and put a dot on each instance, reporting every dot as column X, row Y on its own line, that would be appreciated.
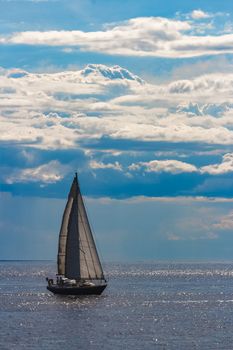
column 77, row 290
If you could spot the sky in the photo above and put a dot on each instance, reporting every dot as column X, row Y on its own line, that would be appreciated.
column 136, row 97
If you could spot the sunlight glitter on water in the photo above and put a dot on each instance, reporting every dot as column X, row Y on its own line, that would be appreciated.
column 170, row 306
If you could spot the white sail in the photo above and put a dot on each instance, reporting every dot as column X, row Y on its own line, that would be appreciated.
column 77, row 254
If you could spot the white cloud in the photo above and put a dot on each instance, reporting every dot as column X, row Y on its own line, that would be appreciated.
column 60, row 110
column 206, row 84
column 183, row 200
column 170, row 166
column 213, row 109
column 99, row 165
column 47, row 173
column 216, row 169
column 176, row 166
column 145, row 36
column 199, row 14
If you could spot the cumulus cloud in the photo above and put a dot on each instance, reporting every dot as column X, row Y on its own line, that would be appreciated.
column 175, row 166
column 145, row 36
column 170, row 166
column 60, row 110
column 217, row 169
column 100, row 165
column 205, row 84
column 213, row 109
column 199, row 14
column 48, row 173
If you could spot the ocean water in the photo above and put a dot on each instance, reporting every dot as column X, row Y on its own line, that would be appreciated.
column 145, row 306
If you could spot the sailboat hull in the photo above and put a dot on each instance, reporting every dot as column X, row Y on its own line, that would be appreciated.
column 80, row 290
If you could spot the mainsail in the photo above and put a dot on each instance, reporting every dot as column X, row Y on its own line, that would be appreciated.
column 77, row 254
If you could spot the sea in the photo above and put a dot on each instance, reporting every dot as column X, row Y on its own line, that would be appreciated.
column 147, row 305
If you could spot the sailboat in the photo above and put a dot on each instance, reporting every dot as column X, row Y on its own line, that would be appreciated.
column 78, row 264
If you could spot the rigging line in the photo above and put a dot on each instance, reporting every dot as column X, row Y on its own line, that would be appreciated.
column 82, row 251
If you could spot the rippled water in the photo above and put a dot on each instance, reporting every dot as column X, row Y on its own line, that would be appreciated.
column 146, row 306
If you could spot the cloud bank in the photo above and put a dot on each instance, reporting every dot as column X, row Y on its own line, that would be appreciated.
column 126, row 135
column 61, row 110
column 142, row 36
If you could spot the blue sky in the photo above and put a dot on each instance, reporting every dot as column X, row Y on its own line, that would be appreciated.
column 135, row 96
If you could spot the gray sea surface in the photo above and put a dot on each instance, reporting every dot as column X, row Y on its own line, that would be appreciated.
column 157, row 305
